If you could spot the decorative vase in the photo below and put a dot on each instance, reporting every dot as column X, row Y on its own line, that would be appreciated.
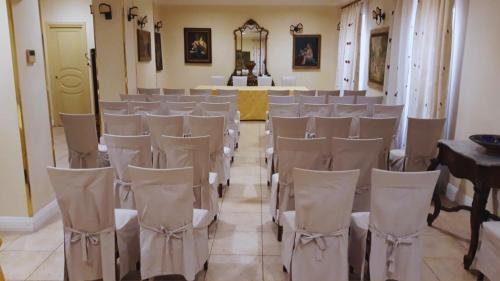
column 252, row 79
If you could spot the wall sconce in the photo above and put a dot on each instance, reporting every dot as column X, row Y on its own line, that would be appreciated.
column 378, row 15
column 158, row 26
column 132, row 13
column 105, row 9
column 141, row 22
column 296, row 28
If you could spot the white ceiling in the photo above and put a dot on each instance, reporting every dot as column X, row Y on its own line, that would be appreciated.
column 255, row 2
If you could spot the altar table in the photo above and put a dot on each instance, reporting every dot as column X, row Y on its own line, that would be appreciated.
column 252, row 100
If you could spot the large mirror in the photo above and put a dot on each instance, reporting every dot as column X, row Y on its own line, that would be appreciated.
column 250, row 52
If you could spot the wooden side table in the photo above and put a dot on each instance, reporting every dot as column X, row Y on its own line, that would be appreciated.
column 468, row 160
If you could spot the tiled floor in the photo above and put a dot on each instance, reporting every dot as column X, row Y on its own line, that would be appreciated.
column 243, row 242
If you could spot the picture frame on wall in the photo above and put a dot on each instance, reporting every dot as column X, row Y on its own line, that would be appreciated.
column 158, row 52
column 306, row 51
column 143, row 45
column 197, row 45
column 379, row 40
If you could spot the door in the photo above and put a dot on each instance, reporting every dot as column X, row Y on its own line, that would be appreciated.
column 68, row 69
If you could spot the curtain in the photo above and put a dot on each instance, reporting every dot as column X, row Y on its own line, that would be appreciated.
column 348, row 51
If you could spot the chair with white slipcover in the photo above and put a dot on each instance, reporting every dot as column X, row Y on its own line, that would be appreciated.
column 289, row 81
column 159, row 126
column 134, row 97
column 173, row 235
column 355, row 111
column 281, row 99
column 173, row 92
column 421, row 145
column 306, row 93
column 180, row 108
column 218, row 80
column 124, row 151
column 123, row 125
column 200, row 92
column 398, row 216
column 239, row 81
column 384, row 128
column 388, row 111
column 370, row 102
column 234, row 120
column 264, row 81
column 196, row 98
column 311, row 154
column 149, row 91
column 222, row 109
column 273, row 92
column 341, row 99
column 328, row 93
column 164, row 98
column 193, row 152
column 227, row 92
column 310, row 99
column 362, row 155
column 144, row 108
column 332, row 127
column 323, row 205
column 312, row 111
column 113, row 107
column 354, row 93
column 91, row 224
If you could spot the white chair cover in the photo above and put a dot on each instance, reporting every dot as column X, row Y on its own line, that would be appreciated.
column 222, row 109
column 311, row 99
column 278, row 92
column 281, row 99
column 81, row 138
column 388, row 111
column 194, row 152
column 307, row 93
column 124, row 151
column 143, row 109
column 132, row 97
column 384, row 128
column 281, row 110
column 399, row 208
column 227, row 92
column 289, row 81
column 214, row 127
column 315, row 236
column 233, row 122
column 90, row 222
column 362, row 154
column 355, row 111
column 312, row 111
column 311, row 154
column 239, row 81
column 265, row 81
column 329, row 127
column 355, row 94
column 421, row 145
column 487, row 256
column 218, row 80
column 174, row 92
column 341, row 99
column 123, row 125
column 113, row 107
column 180, row 108
column 164, row 98
column 329, row 93
column 200, row 92
column 194, row 98
column 174, row 236
column 163, row 126
column 370, row 102
column 149, row 91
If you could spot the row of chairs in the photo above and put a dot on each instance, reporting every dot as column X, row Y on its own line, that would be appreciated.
column 263, row 80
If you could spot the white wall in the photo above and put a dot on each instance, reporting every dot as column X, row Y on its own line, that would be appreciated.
column 223, row 20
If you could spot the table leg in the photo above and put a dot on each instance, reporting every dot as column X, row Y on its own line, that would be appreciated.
column 435, row 196
column 477, row 216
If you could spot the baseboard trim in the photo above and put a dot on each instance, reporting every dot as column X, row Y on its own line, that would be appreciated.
column 453, row 194
column 30, row 224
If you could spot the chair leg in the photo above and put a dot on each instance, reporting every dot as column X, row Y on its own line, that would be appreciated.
column 205, row 266
column 280, row 232
column 284, row 269
column 228, row 182
column 480, row 277
column 219, row 189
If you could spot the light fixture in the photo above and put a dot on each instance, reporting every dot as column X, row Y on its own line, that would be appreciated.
column 378, row 15
column 132, row 13
column 298, row 28
column 105, row 9
column 141, row 22
column 158, row 26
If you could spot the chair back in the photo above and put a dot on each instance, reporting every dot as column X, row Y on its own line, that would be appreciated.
column 288, row 127
column 86, row 201
column 329, row 127
column 355, row 94
column 324, row 194
column 143, row 108
column 384, row 128
column 362, row 154
column 132, row 97
column 227, row 92
column 281, row 99
column 421, row 142
column 200, row 92
column 81, row 138
column 164, row 98
column 180, row 108
column 212, row 126
column 289, row 81
column 196, row 99
column 123, row 125
column 355, row 111
column 388, row 111
column 283, row 110
column 271, row 92
column 217, row 109
column 113, row 107
column 341, row 99
column 307, row 93
column 310, row 99
column 233, row 102
column 149, row 91
column 328, row 93
column 173, row 92
column 265, row 81
column 312, row 111
column 159, row 126
column 218, row 80
column 239, row 81
column 370, row 102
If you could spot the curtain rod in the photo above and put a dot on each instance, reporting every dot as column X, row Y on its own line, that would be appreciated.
column 350, row 4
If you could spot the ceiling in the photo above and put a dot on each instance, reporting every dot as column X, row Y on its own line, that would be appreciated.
column 255, row 2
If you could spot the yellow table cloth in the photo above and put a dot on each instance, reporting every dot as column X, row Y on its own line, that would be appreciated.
column 252, row 100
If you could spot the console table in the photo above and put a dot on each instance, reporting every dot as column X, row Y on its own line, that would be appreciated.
column 468, row 160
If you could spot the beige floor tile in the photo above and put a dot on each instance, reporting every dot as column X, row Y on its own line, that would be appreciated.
column 8, row 238
column 18, row 265
column 273, row 269
column 267, row 222
column 232, row 268
column 270, row 244
column 449, row 269
column 242, row 189
column 241, row 205
column 43, row 240
column 237, row 243
column 239, row 222
column 51, row 269
column 439, row 245
column 428, row 274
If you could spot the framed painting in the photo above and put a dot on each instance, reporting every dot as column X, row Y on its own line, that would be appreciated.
column 143, row 45
column 158, row 53
column 197, row 45
column 379, row 39
column 306, row 51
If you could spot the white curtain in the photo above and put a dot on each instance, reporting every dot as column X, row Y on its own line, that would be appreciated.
column 348, row 51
